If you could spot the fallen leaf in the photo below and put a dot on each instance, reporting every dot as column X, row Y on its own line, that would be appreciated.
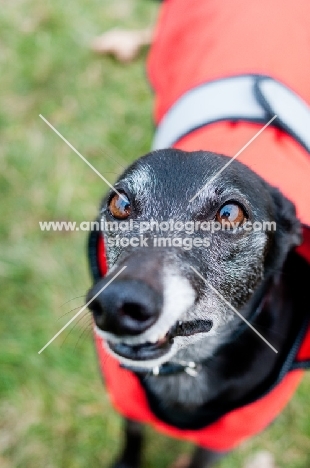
column 262, row 459
column 123, row 44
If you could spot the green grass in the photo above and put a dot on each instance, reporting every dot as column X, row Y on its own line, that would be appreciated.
column 53, row 409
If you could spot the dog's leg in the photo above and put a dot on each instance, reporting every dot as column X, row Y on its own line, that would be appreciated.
column 131, row 454
column 203, row 458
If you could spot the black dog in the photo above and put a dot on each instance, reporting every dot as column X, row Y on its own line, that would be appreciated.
column 167, row 313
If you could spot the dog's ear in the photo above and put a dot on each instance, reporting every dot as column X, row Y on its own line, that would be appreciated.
column 286, row 219
column 288, row 228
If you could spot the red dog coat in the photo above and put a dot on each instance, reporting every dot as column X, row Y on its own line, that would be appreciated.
column 220, row 71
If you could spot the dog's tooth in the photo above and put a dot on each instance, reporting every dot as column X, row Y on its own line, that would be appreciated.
column 156, row 337
column 153, row 338
column 162, row 337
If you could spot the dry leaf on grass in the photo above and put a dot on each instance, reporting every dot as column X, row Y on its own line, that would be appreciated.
column 262, row 459
column 123, row 44
column 182, row 461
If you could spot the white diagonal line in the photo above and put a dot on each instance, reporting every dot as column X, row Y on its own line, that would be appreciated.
column 235, row 310
column 81, row 310
column 82, row 157
column 232, row 159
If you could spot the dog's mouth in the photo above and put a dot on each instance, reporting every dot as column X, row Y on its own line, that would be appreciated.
column 149, row 351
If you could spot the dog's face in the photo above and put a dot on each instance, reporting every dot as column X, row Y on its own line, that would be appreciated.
column 182, row 264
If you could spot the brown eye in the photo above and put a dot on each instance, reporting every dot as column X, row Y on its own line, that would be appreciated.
column 119, row 206
column 231, row 213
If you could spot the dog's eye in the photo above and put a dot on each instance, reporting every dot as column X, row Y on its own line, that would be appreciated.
column 231, row 213
column 120, row 206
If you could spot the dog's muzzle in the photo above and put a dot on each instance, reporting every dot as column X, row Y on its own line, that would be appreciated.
column 139, row 313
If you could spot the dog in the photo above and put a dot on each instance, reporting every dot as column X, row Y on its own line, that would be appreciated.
column 203, row 333
column 159, row 311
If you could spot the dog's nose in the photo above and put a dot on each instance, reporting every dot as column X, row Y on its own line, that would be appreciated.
column 125, row 307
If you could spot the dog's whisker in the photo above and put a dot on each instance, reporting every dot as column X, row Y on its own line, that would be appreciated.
column 73, row 298
column 72, row 310
column 84, row 315
column 88, row 328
